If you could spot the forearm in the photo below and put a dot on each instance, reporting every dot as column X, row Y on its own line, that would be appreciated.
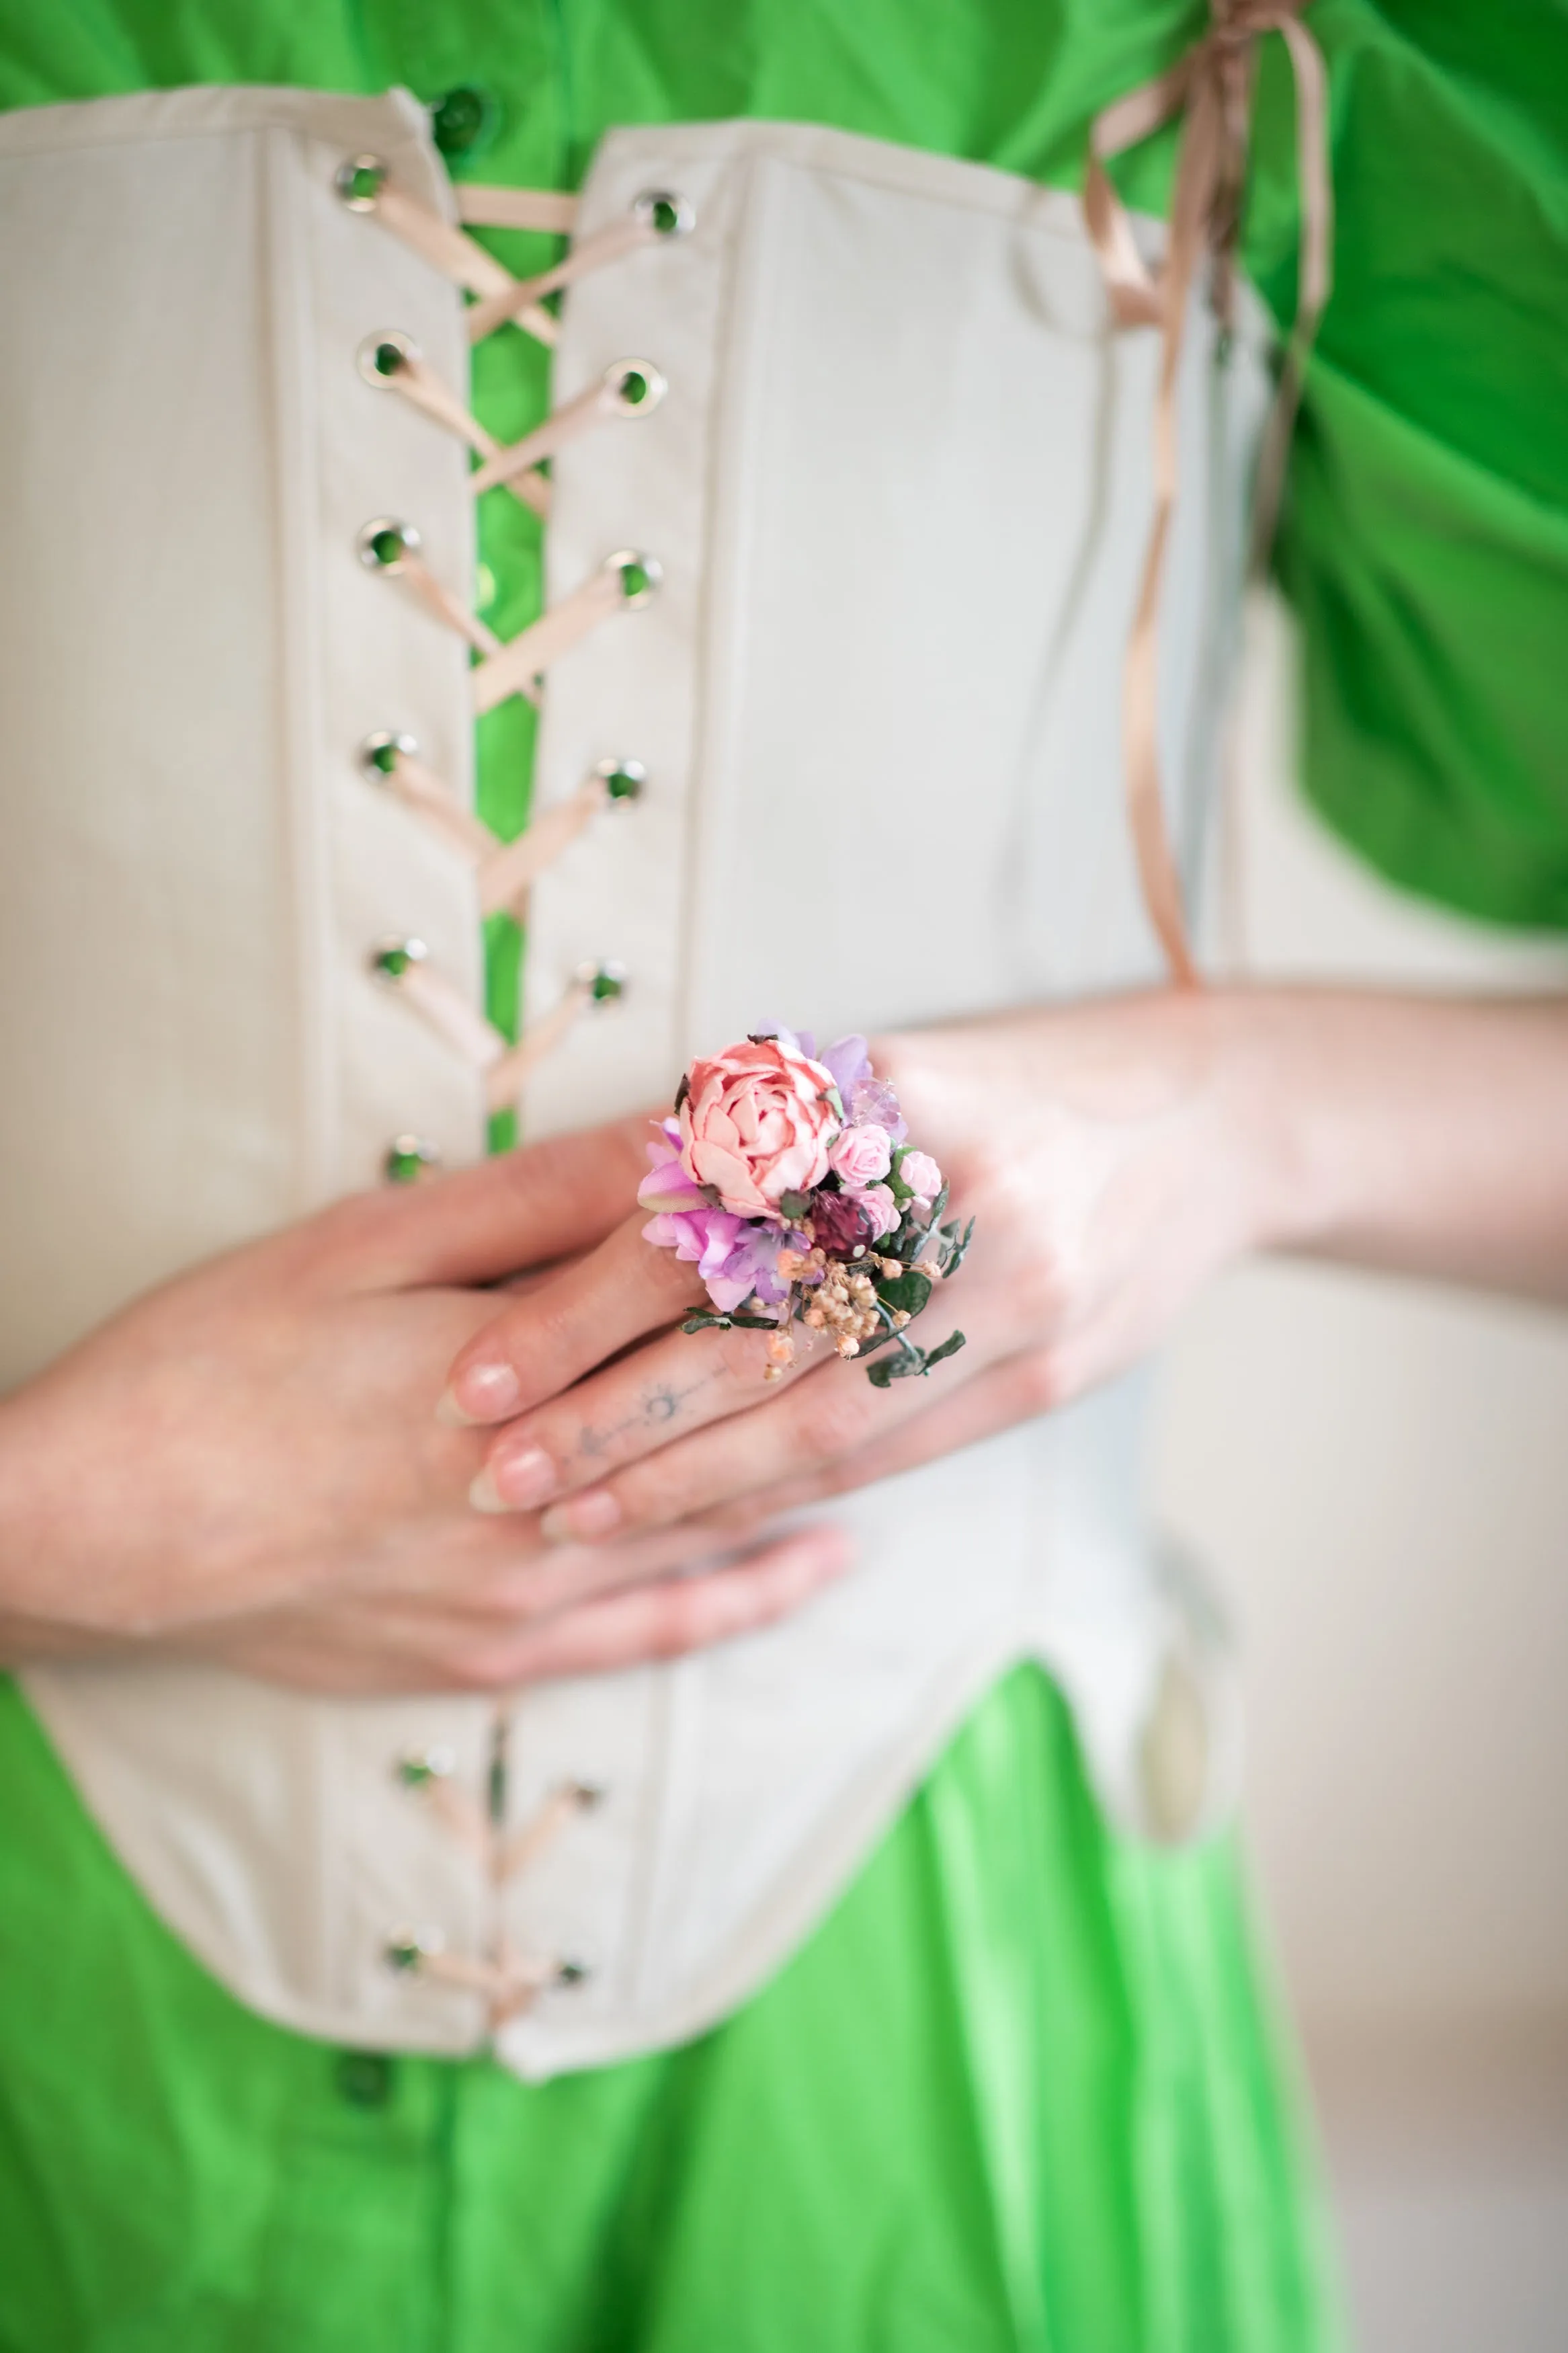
column 1426, row 1135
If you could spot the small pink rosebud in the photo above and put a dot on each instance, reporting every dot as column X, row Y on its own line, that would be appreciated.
column 861, row 1156
column 879, row 1205
column 922, row 1174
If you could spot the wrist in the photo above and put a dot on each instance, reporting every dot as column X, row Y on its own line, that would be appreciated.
column 1265, row 1062
column 40, row 1614
column 23, row 1545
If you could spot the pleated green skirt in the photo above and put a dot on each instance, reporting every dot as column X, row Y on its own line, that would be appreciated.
column 1020, row 2089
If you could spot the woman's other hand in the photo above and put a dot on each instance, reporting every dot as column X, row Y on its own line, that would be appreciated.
column 244, row 1463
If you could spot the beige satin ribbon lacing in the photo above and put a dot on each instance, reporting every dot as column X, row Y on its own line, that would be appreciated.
column 522, row 295
column 498, row 295
column 510, row 1982
column 513, row 668
column 505, row 870
column 515, row 466
column 597, row 405
column 456, row 256
column 1213, row 84
column 506, row 1067
column 516, row 667
column 415, row 381
column 417, row 576
column 548, row 210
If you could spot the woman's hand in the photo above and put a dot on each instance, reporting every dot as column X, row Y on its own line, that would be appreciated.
column 244, row 1463
column 1114, row 1155
column 1113, row 1158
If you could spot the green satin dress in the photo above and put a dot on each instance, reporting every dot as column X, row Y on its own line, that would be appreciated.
column 1023, row 2088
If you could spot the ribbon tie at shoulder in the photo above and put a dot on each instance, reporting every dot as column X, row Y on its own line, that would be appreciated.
column 1211, row 88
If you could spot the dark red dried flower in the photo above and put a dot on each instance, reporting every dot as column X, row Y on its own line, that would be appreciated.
column 838, row 1224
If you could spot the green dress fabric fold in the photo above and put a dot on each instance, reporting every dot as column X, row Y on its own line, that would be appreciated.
column 1020, row 2090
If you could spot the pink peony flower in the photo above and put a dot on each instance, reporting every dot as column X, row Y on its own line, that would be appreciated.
column 879, row 1205
column 922, row 1174
column 862, row 1157
column 756, row 1123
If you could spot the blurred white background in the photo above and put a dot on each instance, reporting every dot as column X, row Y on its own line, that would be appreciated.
column 1377, row 1474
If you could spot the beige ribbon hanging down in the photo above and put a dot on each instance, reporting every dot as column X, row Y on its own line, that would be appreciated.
column 1212, row 85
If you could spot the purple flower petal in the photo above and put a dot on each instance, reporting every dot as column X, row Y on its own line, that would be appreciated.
column 849, row 1063
column 753, row 1265
column 667, row 1184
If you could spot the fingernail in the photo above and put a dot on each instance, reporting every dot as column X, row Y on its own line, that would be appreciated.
column 484, row 1494
column 523, row 1480
column 581, row 1521
column 480, row 1393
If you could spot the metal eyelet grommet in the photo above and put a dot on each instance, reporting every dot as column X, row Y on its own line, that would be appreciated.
column 381, row 356
column 383, row 544
column 408, row 1949
column 605, row 982
column 380, row 752
column 418, row 1767
column 391, row 958
column 665, row 211
column 636, row 386
column 573, row 1973
column 359, row 180
column 624, row 780
column 409, row 1159
column 640, row 575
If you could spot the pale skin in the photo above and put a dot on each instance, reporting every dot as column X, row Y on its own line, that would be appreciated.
column 247, row 1464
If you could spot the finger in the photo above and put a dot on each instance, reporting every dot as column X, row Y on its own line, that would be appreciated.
column 649, row 1399
column 511, row 1573
column 1020, row 1388
column 517, row 1209
column 408, row 1641
column 682, row 1614
column 816, row 1422
column 589, row 1311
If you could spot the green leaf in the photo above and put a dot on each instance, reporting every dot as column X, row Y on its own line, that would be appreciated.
column 949, row 1347
column 794, row 1205
column 909, row 1361
column 957, row 1247
column 908, row 1291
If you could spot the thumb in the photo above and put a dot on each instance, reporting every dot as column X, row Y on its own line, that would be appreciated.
column 521, row 1208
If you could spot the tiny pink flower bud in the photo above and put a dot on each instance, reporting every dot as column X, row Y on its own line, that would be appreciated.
column 922, row 1174
column 861, row 1156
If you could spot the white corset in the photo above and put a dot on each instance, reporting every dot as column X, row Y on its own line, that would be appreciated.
column 898, row 488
